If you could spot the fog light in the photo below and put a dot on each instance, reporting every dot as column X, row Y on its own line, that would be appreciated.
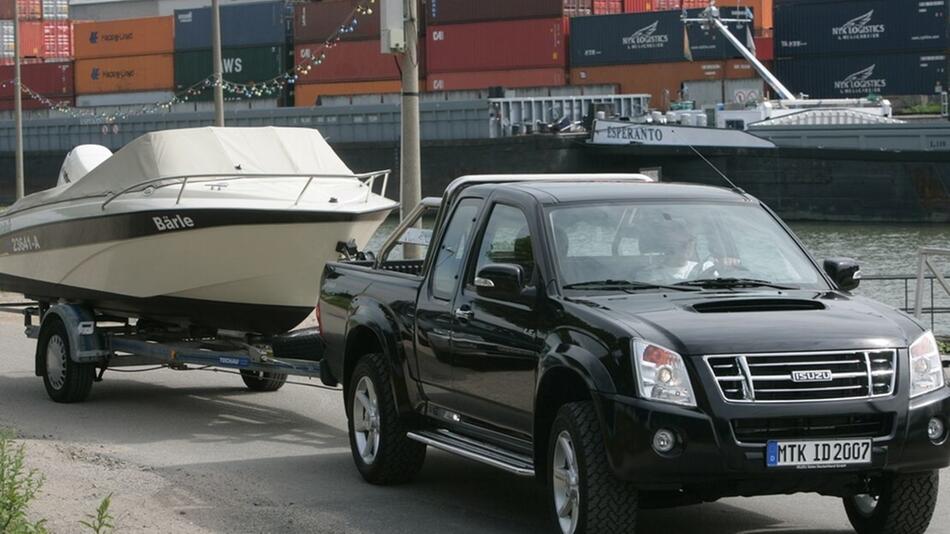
column 935, row 430
column 664, row 441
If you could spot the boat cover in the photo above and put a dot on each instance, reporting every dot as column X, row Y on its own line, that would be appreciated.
column 222, row 152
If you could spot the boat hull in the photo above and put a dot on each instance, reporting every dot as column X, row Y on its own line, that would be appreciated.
column 246, row 270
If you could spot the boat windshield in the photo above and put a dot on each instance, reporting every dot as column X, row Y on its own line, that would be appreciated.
column 649, row 245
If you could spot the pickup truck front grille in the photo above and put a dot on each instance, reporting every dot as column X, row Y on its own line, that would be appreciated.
column 827, row 426
column 805, row 376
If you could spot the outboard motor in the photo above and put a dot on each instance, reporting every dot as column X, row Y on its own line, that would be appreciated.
column 80, row 161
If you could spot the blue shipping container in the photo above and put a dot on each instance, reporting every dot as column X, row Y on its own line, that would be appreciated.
column 863, row 75
column 860, row 26
column 262, row 24
column 652, row 37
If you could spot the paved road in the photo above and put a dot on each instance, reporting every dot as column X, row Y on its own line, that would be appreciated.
column 235, row 461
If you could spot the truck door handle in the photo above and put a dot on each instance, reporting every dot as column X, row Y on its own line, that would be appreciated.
column 464, row 313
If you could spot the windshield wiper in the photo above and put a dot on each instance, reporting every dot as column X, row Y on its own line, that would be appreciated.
column 728, row 283
column 624, row 285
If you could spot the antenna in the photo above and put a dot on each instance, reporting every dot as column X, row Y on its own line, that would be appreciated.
column 732, row 184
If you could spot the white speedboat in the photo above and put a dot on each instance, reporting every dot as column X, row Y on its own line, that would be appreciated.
column 223, row 228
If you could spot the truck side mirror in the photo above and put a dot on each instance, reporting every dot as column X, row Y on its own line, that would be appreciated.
column 844, row 271
column 500, row 280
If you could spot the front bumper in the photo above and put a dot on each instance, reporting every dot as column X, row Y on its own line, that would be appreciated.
column 714, row 463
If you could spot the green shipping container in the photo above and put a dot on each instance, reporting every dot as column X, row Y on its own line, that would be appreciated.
column 240, row 65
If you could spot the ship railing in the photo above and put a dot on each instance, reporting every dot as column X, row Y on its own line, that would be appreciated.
column 924, row 264
column 368, row 179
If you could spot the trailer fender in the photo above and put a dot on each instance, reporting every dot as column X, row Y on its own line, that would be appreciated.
column 86, row 344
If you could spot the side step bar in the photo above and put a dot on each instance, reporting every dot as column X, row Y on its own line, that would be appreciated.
column 476, row 450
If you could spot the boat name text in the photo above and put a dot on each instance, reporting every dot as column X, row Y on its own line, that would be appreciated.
column 635, row 133
column 25, row 243
column 175, row 222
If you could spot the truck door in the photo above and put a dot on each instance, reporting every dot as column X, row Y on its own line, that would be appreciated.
column 495, row 344
column 435, row 315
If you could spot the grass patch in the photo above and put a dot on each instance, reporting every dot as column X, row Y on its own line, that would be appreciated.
column 20, row 485
column 944, row 346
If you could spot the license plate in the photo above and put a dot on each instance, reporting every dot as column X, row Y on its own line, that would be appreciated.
column 816, row 454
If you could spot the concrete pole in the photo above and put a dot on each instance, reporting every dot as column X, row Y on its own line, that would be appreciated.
column 216, row 57
column 18, row 102
column 411, row 165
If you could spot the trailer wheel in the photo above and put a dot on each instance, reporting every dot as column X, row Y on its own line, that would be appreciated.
column 263, row 381
column 381, row 450
column 905, row 504
column 65, row 380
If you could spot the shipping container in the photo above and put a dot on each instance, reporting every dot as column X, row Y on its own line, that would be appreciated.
column 126, row 37
column 57, row 39
column 664, row 81
column 855, row 27
column 260, row 24
column 761, row 8
column 48, row 79
column 124, row 99
column 461, row 81
column 607, row 7
column 351, row 61
column 239, row 65
column 656, row 37
column 29, row 9
column 55, row 9
column 306, row 94
column 709, row 93
column 765, row 48
column 317, row 21
column 501, row 45
column 862, row 75
column 31, row 39
column 125, row 74
column 28, row 103
column 458, row 11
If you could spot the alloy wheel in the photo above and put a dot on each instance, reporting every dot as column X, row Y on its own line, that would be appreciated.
column 566, row 481
column 366, row 419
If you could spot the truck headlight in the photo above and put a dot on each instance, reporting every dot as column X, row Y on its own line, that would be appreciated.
column 661, row 375
column 926, row 370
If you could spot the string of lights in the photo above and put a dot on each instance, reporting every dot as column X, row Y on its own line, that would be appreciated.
column 235, row 91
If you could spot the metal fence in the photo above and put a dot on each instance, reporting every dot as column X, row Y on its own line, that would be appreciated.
column 934, row 315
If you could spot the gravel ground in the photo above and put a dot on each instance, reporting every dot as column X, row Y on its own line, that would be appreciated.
column 195, row 452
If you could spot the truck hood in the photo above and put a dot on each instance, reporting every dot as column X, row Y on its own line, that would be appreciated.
column 760, row 321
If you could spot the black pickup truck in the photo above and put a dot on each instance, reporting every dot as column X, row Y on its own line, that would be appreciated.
column 633, row 344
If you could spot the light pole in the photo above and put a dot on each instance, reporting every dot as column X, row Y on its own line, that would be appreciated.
column 18, row 102
column 411, row 155
column 216, row 57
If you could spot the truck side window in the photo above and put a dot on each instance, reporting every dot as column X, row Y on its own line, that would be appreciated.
column 507, row 239
column 451, row 253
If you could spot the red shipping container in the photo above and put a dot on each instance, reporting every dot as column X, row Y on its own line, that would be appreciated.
column 29, row 9
column 608, row 7
column 501, row 45
column 48, row 79
column 765, row 48
column 31, row 39
column 457, row 11
column 460, row 81
column 317, row 21
column 29, row 103
column 57, row 39
column 348, row 61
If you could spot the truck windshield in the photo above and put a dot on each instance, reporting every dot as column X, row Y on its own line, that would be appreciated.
column 620, row 246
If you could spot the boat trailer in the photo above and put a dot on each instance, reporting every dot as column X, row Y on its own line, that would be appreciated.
column 76, row 346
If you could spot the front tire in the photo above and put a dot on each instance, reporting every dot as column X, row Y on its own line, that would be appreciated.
column 904, row 505
column 65, row 380
column 381, row 450
column 585, row 496
column 263, row 381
